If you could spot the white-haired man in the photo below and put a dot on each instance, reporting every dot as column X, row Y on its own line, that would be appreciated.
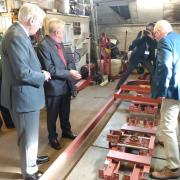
column 22, row 85
column 166, row 84
column 58, row 91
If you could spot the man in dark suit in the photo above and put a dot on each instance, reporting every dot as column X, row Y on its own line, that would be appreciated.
column 59, row 89
column 166, row 84
column 22, row 85
column 143, row 51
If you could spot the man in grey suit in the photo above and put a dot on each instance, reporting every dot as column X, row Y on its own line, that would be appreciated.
column 59, row 89
column 22, row 85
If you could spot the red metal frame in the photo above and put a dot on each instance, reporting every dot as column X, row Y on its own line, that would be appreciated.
column 105, row 58
column 137, row 87
column 150, row 131
column 143, row 108
column 132, row 158
column 145, row 89
column 123, row 95
column 143, row 122
column 111, row 170
column 75, row 145
column 82, row 84
column 122, row 141
column 132, row 135
column 138, row 82
column 142, row 162
column 141, row 166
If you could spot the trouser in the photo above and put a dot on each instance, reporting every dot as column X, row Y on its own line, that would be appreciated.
column 6, row 117
column 58, row 105
column 27, row 126
column 168, row 126
column 131, row 66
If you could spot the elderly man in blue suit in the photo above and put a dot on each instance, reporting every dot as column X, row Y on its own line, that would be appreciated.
column 166, row 84
column 22, row 85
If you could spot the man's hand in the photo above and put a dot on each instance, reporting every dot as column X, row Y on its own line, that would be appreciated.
column 75, row 74
column 47, row 75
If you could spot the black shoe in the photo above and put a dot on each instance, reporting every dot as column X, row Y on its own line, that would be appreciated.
column 34, row 176
column 69, row 135
column 54, row 144
column 42, row 159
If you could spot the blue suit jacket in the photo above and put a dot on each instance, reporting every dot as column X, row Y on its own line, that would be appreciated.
column 166, row 79
column 22, row 80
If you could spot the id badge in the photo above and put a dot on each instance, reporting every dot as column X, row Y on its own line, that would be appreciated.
column 146, row 52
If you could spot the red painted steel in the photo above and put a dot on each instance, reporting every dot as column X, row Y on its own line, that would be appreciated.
column 74, row 146
column 145, row 89
column 138, row 82
column 110, row 171
column 151, row 131
column 134, row 142
column 143, row 108
column 131, row 97
column 82, row 84
column 142, row 122
column 133, row 158
column 136, row 173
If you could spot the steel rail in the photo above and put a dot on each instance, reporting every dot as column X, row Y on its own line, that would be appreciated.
column 57, row 165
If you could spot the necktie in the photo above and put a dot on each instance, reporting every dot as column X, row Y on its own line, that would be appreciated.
column 60, row 53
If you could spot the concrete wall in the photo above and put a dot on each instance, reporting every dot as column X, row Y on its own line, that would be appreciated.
column 120, row 32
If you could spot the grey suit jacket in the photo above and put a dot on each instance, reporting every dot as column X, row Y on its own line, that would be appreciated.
column 61, row 82
column 22, row 79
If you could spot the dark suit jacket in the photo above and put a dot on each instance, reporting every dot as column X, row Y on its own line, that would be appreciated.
column 166, row 79
column 60, row 82
column 22, row 80
column 139, row 46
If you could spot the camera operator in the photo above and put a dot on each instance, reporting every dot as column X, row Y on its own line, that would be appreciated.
column 143, row 51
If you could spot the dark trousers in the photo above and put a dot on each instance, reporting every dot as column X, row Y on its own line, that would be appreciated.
column 131, row 66
column 6, row 117
column 58, row 105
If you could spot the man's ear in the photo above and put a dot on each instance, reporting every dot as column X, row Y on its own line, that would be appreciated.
column 31, row 21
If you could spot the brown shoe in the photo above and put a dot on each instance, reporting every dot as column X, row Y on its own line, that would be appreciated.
column 159, row 143
column 166, row 173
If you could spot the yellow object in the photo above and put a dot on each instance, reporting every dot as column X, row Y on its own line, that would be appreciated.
column 107, row 50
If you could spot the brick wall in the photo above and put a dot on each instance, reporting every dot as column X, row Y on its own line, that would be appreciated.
column 119, row 32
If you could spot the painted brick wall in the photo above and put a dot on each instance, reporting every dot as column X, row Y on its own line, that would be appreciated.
column 119, row 32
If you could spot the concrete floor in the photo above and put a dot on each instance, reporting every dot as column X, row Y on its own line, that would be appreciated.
column 83, row 109
column 94, row 158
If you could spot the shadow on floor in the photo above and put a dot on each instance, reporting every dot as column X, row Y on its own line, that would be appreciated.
column 10, row 175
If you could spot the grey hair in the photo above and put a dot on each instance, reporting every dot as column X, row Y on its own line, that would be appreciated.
column 28, row 11
column 54, row 24
column 163, row 26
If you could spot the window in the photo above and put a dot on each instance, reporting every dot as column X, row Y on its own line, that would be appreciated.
column 3, row 6
column 76, row 28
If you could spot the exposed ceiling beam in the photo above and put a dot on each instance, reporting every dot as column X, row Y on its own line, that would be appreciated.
column 112, row 3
